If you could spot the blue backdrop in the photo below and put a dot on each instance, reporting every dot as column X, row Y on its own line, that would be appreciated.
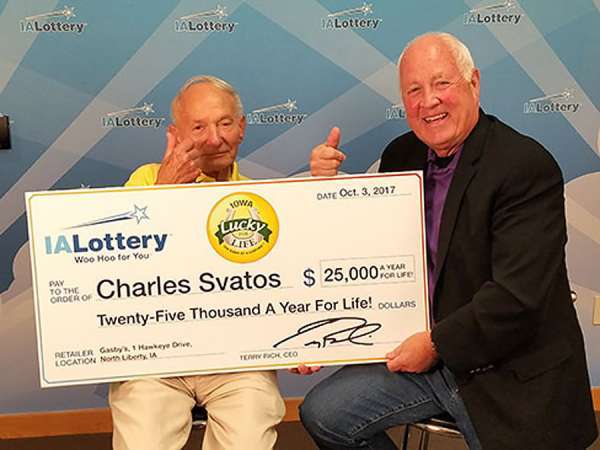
column 87, row 86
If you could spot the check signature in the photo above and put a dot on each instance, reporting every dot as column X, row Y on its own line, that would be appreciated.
column 345, row 329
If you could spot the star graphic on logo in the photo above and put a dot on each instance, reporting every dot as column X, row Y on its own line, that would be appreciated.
column 139, row 214
column 221, row 11
column 290, row 105
column 147, row 108
column 366, row 9
column 68, row 12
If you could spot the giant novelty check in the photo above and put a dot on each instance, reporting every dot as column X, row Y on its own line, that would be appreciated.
column 221, row 277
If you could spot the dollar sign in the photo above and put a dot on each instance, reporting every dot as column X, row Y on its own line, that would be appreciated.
column 309, row 279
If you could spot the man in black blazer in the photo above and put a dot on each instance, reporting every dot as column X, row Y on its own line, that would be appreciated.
column 505, row 356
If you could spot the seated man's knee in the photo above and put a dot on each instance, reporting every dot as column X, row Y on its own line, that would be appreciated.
column 264, row 406
column 316, row 416
column 276, row 408
column 256, row 418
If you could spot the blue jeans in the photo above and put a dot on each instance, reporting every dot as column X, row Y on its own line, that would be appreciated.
column 353, row 407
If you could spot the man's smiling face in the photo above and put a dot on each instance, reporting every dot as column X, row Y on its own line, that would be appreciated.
column 442, row 107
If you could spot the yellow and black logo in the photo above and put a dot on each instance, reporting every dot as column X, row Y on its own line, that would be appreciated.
column 242, row 227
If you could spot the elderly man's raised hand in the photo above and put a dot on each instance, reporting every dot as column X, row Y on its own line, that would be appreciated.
column 326, row 159
column 181, row 162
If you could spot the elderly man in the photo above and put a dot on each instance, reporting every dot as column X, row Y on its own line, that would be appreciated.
column 505, row 356
column 243, row 408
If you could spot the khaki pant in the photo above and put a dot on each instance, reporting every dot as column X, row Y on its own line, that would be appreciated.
column 154, row 414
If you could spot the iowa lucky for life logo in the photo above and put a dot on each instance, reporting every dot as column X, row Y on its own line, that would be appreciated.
column 242, row 227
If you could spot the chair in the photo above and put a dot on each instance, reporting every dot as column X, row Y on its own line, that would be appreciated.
column 442, row 425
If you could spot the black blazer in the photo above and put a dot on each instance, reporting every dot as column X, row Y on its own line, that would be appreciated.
column 504, row 321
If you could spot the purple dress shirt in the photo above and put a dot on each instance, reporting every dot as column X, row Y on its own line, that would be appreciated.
column 438, row 177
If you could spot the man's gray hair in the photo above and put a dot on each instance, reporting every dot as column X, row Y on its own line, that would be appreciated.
column 213, row 81
column 460, row 52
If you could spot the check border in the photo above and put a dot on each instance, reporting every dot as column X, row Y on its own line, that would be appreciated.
column 31, row 196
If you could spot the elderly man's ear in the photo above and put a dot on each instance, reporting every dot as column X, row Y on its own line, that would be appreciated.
column 475, row 81
column 242, row 128
column 172, row 130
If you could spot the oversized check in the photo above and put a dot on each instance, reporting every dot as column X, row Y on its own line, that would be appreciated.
column 222, row 277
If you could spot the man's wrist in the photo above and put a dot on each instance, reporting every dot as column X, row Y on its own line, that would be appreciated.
column 433, row 346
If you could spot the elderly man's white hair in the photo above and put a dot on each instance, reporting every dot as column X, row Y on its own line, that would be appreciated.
column 460, row 52
column 213, row 81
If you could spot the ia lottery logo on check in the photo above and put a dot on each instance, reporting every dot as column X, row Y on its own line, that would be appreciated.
column 102, row 244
